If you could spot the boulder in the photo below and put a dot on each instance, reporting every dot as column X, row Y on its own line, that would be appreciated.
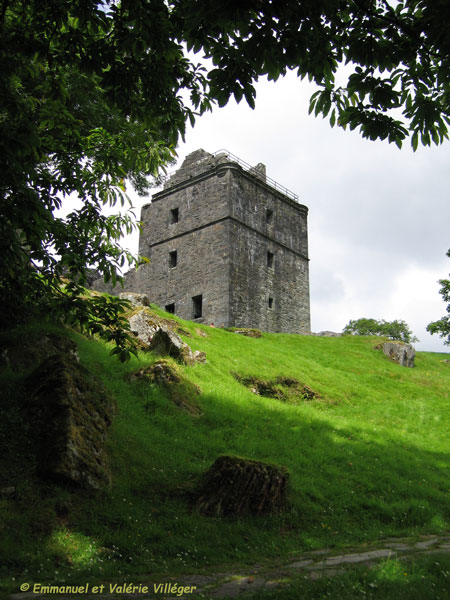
column 329, row 334
column 200, row 356
column 70, row 412
column 160, row 336
column 325, row 333
column 8, row 491
column 399, row 352
column 249, row 332
column 135, row 299
column 144, row 323
column 236, row 486
column 168, row 343
column 143, row 326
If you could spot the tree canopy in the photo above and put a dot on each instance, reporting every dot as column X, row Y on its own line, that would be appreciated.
column 393, row 330
column 95, row 94
column 442, row 326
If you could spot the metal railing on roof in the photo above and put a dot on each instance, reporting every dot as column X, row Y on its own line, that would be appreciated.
column 254, row 171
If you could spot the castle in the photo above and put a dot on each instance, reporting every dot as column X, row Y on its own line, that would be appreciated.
column 227, row 245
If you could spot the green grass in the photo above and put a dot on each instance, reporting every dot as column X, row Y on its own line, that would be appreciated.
column 367, row 459
column 424, row 579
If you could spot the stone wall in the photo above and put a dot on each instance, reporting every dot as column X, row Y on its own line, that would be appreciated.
column 198, row 204
column 272, row 298
column 222, row 232
column 201, row 269
column 269, row 293
column 286, row 222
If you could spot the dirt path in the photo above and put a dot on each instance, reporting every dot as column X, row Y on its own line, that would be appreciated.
column 241, row 582
column 315, row 564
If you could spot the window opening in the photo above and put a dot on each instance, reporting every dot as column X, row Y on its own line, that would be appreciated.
column 269, row 216
column 270, row 302
column 270, row 259
column 174, row 216
column 170, row 308
column 197, row 306
column 173, row 258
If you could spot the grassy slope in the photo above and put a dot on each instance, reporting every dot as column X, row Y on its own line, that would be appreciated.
column 368, row 459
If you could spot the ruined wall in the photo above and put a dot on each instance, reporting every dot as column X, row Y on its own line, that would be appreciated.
column 222, row 232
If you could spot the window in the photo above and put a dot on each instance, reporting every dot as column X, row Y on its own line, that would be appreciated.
column 173, row 259
column 269, row 216
column 197, row 306
column 170, row 308
column 174, row 215
column 270, row 259
column 270, row 303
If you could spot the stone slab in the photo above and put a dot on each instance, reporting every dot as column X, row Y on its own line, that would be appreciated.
column 300, row 564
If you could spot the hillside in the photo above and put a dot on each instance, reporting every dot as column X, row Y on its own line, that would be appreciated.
column 365, row 443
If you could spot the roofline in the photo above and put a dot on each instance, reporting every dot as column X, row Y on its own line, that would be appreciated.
column 232, row 165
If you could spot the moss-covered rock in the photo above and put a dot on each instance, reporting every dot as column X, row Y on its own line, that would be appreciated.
column 144, row 323
column 282, row 388
column 247, row 331
column 22, row 352
column 160, row 335
column 181, row 391
column 236, row 486
column 70, row 412
column 168, row 343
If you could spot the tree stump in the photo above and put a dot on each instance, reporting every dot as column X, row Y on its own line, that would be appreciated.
column 236, row 486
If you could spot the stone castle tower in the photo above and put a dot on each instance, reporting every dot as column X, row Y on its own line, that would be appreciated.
column 227, row 245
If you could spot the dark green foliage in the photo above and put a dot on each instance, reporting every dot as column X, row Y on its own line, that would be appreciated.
column 399, row 54
column 394, row 330
column 95, row 96
column 442, row 327
column 80, row 114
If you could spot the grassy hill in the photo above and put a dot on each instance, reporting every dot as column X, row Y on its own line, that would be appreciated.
column 367, row 448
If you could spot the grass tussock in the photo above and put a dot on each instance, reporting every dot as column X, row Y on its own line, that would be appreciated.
column 367, row 456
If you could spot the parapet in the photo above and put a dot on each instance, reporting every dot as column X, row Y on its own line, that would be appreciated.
column 199, row 162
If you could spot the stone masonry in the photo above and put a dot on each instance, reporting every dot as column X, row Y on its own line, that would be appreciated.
column 226, row 246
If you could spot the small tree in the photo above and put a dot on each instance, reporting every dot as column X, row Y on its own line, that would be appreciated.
column 394, row 330
column 442, row 327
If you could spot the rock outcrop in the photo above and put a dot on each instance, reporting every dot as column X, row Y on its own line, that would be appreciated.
column 70, row 412
column 168, row 343
column 236, row 486
column 401, row 353
column 135, row 299
column 159, row 335
column 327, row 334
column 179, row 390
column 23, row 353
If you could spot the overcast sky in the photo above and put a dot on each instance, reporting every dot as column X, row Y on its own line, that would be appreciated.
column 379, row 217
